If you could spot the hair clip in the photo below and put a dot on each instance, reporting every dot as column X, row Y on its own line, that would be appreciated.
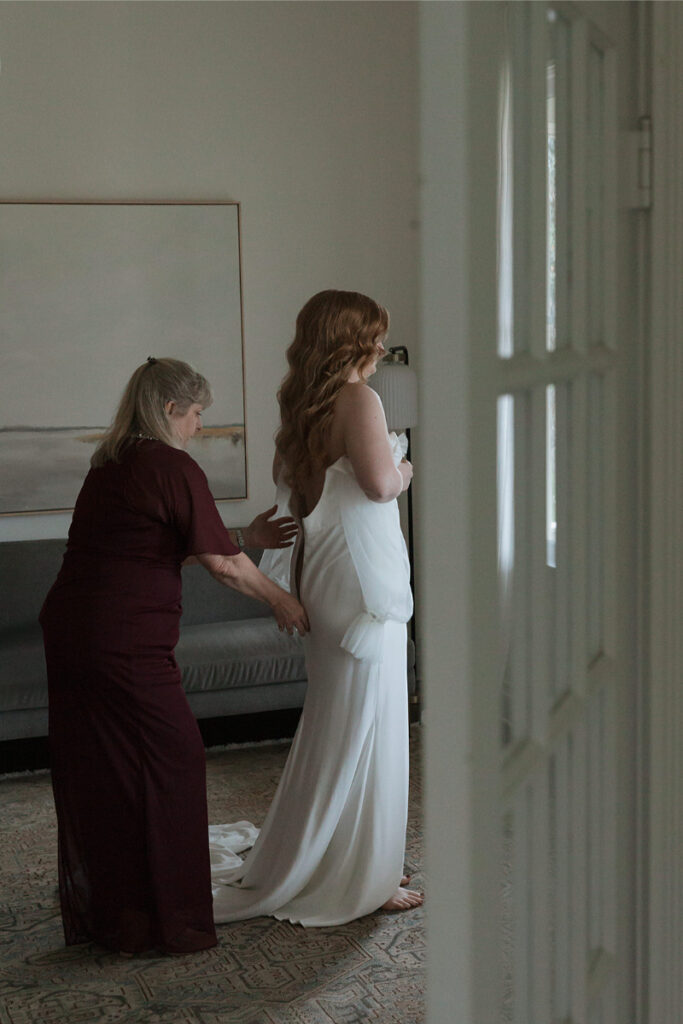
column 151, row 360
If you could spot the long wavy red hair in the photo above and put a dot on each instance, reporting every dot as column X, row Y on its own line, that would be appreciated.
column 335, row 331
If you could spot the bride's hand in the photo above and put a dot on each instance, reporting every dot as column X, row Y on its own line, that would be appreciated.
column 290, row 614
column 264, row 532
column 405, row 468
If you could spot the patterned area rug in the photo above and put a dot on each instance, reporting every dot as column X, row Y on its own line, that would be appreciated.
column 262, row 972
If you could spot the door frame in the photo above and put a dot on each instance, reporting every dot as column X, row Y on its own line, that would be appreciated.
column 456, row 438
column 662, row 998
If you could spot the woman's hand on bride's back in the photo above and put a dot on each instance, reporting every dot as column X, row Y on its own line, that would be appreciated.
column 265, row 532
column 290, row 614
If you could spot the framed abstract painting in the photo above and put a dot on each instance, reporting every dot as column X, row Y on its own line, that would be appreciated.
column 89, row 290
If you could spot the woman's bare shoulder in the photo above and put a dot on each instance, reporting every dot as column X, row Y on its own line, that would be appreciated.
column 355, row 397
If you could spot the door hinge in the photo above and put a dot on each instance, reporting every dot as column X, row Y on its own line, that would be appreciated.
column 637, row 154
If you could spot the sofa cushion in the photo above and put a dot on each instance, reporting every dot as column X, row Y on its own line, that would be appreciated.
column 251, row 652
column 205, row 600
column 28, row 568
column 23, row 683
column 213, row 656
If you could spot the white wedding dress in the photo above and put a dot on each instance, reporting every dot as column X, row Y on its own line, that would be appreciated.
column 332, row 845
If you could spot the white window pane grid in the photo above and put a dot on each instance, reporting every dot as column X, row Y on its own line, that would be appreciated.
column 559, row 904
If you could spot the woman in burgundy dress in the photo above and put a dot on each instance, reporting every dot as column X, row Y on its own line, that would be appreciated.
column 128, row 766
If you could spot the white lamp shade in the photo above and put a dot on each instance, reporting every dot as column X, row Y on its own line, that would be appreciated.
column 396, row 385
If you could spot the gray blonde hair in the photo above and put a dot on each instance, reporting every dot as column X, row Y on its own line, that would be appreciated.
column 142, row 406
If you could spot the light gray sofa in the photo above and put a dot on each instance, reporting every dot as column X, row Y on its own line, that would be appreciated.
column 233, row 658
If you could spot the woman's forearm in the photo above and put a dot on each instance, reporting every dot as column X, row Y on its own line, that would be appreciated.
column 384, row 487
column 240, row 573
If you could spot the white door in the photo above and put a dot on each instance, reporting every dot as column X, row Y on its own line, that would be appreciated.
column 530, row 297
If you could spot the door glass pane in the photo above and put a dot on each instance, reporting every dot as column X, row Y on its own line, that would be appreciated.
column 515, row 199
column 554, row 839
column 602, row 1008
column 595, row 1014
column 595, row 198
column 558, row 243
column 505, row 204
column 562, row 828
column 595, row 834
column 514, row 563
column 595, row 541
column 506, row 551
column 507, row 924
column 550, row 478
column 558, row 535
column 520, row 896
column 551, row 213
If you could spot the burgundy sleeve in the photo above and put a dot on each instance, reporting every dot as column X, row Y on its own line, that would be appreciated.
column 195, row 513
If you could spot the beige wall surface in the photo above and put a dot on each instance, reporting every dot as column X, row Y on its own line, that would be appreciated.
column 305, row 113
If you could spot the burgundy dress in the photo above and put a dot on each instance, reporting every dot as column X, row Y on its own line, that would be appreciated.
column 128, row 765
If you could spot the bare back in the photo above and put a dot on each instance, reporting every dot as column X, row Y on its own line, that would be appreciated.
column 359, row 431
column 336, row 447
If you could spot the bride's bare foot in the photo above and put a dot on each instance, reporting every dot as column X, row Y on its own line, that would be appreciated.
column 403, row 899
column 405, row 880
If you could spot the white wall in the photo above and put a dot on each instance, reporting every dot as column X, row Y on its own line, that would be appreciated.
column 306, row 113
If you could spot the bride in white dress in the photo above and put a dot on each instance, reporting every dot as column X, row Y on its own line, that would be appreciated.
column 332, row 845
